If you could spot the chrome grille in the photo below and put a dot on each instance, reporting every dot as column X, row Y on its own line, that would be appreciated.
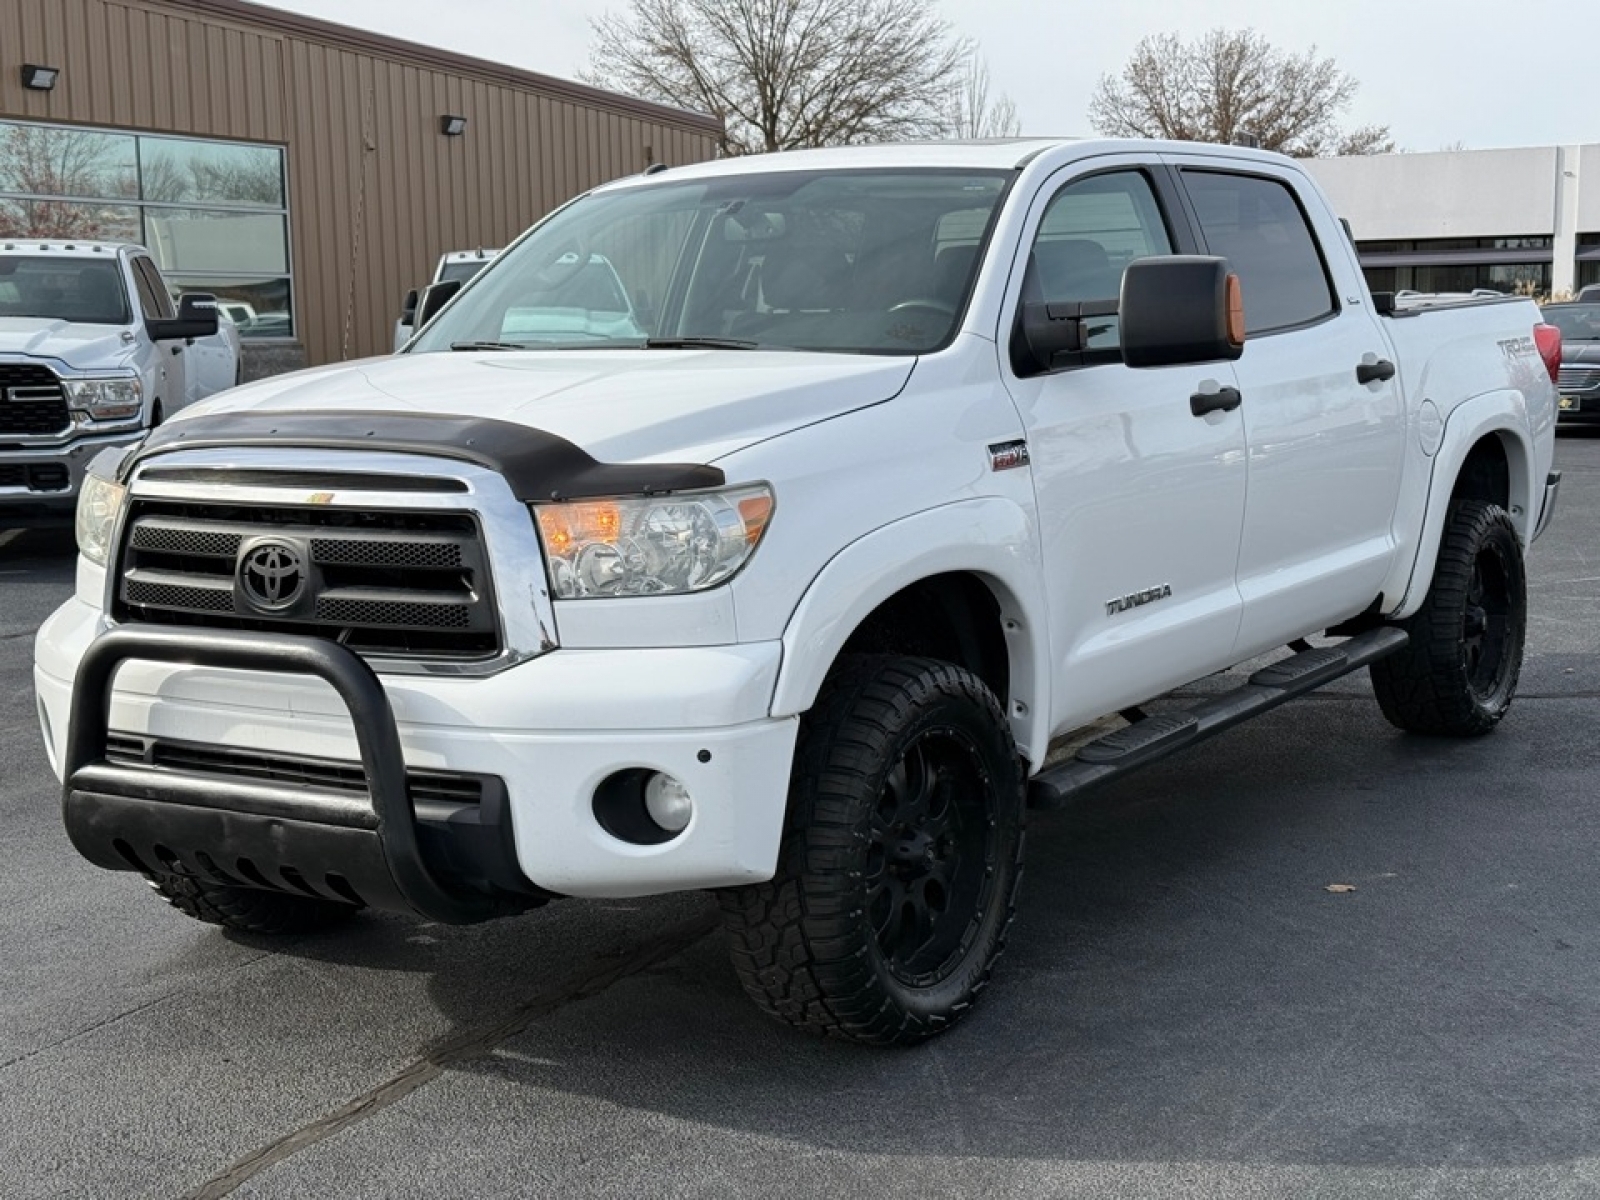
column 32, row 400
column 1577, row 379
column 406, row 583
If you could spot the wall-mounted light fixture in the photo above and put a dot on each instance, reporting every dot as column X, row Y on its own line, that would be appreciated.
column 39, row 79
column 452, row 126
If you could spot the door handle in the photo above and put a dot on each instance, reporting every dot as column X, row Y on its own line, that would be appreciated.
column 1225, row 400
column 1374, row 372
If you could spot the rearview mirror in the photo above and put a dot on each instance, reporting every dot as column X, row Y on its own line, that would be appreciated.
column 408, row 308
column 434, row 297
column 197, row 318
column 1180, row 308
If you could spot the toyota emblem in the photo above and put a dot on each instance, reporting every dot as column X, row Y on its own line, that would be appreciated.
column 271, row 576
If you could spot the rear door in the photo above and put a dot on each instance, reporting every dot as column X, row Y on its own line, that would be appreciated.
column 1139, row 500
column 1323, row 416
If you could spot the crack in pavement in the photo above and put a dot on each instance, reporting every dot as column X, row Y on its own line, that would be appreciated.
column 468, row 1044
column 112, row 1020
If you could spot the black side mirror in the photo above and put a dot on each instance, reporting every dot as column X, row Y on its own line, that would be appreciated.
column 1179, row 309
column 408, row 308
column 434, row 297
column 197, row 318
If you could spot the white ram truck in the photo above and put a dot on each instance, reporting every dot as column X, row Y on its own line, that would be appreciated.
column 929, row 458
column 92, row 355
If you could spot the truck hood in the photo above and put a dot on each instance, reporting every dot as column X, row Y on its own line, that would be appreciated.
column 1580, row 353
column 85, row 347
column 618, row 405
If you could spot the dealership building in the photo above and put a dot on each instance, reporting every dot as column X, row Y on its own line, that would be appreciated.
column 306, row 172
column 1511, row 220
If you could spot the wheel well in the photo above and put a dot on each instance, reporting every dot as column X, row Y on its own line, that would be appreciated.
column 952, row 617
column 1486, row 474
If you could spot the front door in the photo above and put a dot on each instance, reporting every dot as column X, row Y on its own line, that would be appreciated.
column 1139, row 501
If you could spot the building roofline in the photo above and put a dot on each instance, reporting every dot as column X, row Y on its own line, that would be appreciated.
column 316, row 29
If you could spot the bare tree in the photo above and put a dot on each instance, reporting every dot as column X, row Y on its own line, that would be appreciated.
column 783, row 74
column 971, row 111
column 1229, row 84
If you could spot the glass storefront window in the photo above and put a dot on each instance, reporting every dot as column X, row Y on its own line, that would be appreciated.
column 214, row 215
column 190, row 240
column 259, row 307
column 176, row 171
column 89, row 222
column 41, row 160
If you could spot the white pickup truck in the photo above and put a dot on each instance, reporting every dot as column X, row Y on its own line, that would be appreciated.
column 929, row 458
column 92, row 355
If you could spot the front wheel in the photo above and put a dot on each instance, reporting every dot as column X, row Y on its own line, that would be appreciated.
column 1459, row 673
column 900, row 860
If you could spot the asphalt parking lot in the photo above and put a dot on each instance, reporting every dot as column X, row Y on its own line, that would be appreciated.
column 1185, row 1009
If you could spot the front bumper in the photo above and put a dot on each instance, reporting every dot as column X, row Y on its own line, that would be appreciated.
column 547, row 733
column 39, row 485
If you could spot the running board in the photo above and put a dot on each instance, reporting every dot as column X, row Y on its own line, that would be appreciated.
column 1151, row 738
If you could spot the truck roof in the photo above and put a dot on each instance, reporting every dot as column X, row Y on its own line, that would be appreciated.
column 981, row 153
column 66, row 246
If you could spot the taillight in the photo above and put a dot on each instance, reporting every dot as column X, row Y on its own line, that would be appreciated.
column 1548, row 339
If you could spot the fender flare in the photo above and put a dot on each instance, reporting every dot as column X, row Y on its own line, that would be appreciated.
column 1503, row 414
column 991, row 538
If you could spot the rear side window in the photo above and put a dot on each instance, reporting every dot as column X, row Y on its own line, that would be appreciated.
column 1258, row 226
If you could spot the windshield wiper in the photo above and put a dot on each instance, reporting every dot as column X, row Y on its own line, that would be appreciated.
column 699, row 343
column 489, row 346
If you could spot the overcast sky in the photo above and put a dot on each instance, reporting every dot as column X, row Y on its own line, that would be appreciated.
column 1439, row 73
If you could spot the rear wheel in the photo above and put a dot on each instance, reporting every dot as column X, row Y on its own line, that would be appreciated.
column 1459, row 673
column 249, row 910
column 900, row 860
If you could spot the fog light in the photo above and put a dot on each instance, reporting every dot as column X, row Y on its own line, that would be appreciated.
column 668, row 803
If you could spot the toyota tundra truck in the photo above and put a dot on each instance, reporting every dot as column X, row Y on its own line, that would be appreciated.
column 927, row 459
column 92, row 355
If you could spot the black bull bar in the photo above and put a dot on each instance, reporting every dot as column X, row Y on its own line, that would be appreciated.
column 138, row 817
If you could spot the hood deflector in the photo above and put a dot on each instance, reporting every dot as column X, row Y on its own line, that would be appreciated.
column 538, row 466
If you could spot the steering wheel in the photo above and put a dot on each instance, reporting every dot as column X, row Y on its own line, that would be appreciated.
column 926, row 304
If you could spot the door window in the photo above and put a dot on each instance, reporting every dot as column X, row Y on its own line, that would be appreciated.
column 1258, row 226
column 1091, row 231
column 153, row 299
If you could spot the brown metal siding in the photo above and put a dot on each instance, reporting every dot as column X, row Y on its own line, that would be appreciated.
column 376, row 192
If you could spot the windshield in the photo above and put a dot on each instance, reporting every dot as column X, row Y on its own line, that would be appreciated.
column 865, row 262
column 85, row 290
column 1577, row 322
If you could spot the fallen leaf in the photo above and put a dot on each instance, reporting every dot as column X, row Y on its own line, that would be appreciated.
column 1340, row 888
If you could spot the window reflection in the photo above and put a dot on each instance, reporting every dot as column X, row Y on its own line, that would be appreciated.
column 174, row 171
column 201, row 240
column 42, row 161
column 68, row 219
column 189, row 201
column 259, row 307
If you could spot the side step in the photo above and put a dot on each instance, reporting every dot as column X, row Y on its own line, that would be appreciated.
column 1151, row 738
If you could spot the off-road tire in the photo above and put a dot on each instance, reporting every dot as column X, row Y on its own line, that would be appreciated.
column 1459, row 674
column 250, row 910
column 831, row 943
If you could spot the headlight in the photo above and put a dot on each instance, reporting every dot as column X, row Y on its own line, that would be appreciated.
column 99, row 502
column 651, row 546
column 106, row 399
